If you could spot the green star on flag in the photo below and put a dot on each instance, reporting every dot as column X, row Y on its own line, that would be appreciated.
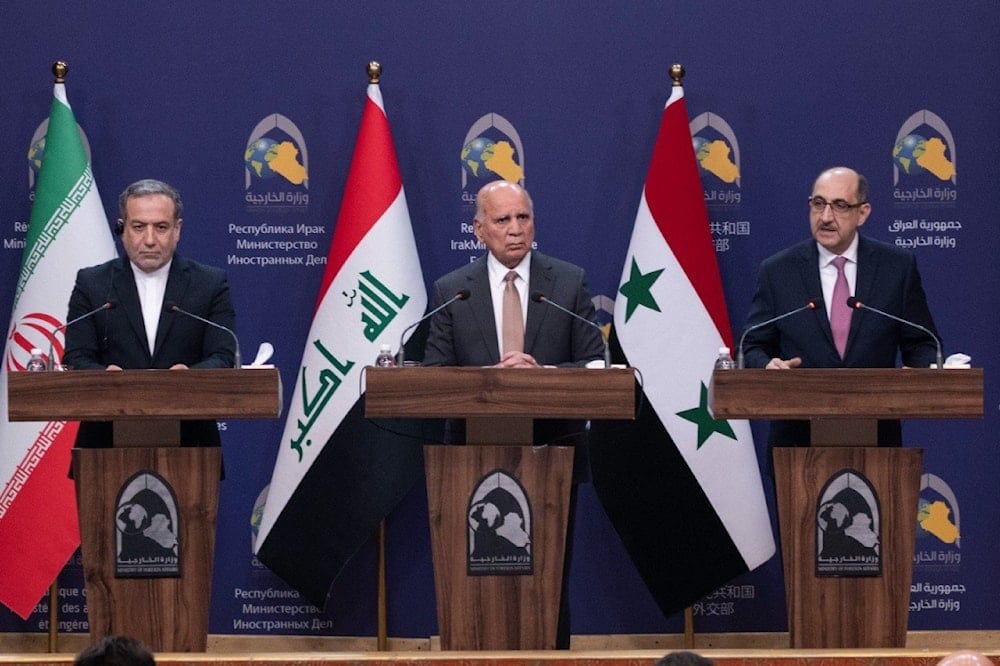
column 706, row 424
column 637, row 290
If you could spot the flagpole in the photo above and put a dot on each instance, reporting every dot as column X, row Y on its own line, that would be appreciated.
column 53, row 615
column 382, row 638
column 59, row 69
column 689, row 628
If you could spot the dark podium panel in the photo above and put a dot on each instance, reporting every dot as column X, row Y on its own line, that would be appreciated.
column 479, row 608
column 839, row 609
column 170, row 614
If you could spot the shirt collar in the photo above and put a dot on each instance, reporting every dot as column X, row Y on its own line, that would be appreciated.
column 851, row 253
column 160, row 273
column 497, row 271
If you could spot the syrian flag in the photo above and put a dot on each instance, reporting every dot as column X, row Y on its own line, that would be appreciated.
column 695, row 516
column 68, row 231
column 337, row 475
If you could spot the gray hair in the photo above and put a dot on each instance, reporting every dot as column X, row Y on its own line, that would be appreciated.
column 147, row 187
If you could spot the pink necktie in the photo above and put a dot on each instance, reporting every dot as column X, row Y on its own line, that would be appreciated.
column 840, row 313
column 513, row 321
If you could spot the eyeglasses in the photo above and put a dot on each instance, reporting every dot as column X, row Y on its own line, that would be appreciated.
column 819, row 204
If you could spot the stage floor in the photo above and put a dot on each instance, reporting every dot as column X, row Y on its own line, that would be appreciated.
column 924, row 649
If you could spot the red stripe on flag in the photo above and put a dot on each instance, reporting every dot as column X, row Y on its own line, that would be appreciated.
column 373, row 183
column 677, row 202
column 32, row 557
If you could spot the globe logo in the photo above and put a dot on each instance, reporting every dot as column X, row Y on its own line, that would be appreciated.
column 257, row 515
column 267, row 158
column 475, row 155
column 259, row 155
column 485, row 159
column 915, row 155
column 35, row 155
column 907, row 152
column 715, row 157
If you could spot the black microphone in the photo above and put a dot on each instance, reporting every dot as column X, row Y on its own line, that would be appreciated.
column 811, row 305
column 460, row 295
column 539, row 297
column 173, row 307
column 855, row 304
column 109, row 305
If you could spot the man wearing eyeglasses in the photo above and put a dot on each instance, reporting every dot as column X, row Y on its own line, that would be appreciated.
column 836, row 264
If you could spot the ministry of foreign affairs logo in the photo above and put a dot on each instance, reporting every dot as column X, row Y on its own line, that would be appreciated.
column 147, row 528
column 499, row 529
column 276, row 167
column 848, row 527
column 492, row 150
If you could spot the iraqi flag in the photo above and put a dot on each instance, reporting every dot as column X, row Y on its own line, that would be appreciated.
column 695, row 515
column 68, row 231
column 337, row 475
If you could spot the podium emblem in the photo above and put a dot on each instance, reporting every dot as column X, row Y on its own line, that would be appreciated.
column 848, row 527
column 499, row 527
column 146, row 528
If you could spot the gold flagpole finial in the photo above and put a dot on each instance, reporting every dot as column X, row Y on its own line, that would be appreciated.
column 677, row 73
column 374, row 70
column 60, row 69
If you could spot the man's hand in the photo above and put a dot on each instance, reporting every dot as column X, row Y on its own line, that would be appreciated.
column 517, row 360
column 779, row 364
column 114, row 368
column 178, row 366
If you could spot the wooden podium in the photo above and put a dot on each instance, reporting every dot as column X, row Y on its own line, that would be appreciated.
column 169, row 614
column 508, row 600
column 847, row 601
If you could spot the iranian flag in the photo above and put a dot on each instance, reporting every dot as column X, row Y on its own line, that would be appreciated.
column 336, row 474
column 695, row 516
column 68, row 231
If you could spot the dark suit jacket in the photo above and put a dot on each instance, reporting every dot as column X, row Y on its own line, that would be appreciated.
column 887, row 279
column 464, row 333
column 118, row 336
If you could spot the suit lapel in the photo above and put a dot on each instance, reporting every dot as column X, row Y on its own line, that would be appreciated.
column 864, row 284
column 178, row 281
column 809, row 272
column 481, row 303
column 540, row 281
column 123, row 284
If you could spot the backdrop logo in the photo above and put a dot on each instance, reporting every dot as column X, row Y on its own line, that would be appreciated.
column 499, row 528
column 276, row 166
column 938, row 524
column 717, row 152
column 848, row 527
column 147, row 525
column 923, row 178
column 924, row 154
column 938, row 584
column 492, row 150
column 33, row 330
column 36, row 153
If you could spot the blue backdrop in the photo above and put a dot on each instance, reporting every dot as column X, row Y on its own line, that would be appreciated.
column 179, row 90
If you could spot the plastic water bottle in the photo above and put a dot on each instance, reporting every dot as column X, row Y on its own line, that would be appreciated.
column 36, row 363
column 725, row 361
column 385, row 359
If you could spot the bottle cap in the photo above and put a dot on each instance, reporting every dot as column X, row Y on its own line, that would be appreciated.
column 724, row 350
column 35, row 351
column 385, row 348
